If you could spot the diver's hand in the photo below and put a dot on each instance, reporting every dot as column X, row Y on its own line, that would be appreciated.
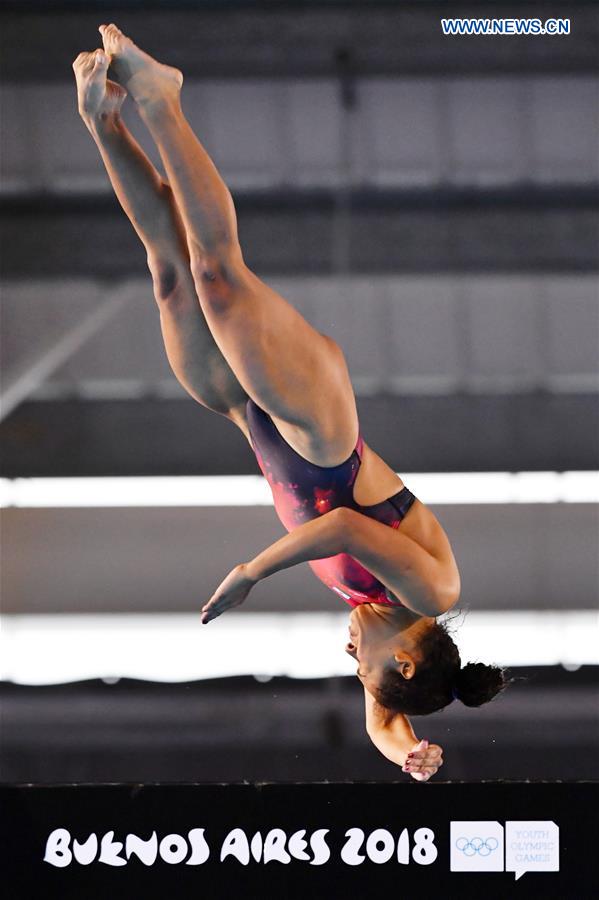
column 230, row 593
column 423, row 760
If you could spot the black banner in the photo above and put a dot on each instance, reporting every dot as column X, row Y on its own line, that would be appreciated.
column 300, row 840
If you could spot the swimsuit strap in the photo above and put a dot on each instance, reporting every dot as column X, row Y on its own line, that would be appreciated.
column 360, row 446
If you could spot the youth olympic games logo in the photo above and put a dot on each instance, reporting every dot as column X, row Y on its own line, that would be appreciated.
column 530, row 846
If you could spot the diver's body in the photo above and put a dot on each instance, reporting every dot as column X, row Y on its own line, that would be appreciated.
column 235, row 344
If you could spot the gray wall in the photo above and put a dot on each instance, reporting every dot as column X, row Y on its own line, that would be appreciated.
column 540, row 556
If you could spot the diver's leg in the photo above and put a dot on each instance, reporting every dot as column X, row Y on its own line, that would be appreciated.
column 149, row 203
column 297, row 374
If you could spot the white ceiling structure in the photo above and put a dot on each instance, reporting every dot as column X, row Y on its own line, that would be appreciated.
column 436, row 334
column 409, row 334
column 402, row 132
column 405, row 334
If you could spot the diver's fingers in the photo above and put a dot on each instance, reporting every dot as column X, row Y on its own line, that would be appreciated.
column 423, row 776
column 432, row 752
column 215, row 607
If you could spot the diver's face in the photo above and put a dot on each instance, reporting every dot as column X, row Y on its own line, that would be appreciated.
column 379, row 640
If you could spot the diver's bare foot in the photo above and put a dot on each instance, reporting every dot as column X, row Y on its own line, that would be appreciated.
column 98, row 97
column 144, row 78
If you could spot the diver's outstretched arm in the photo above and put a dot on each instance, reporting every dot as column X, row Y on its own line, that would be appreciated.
column 397, row 741
column 396, row 560
column 315, row 539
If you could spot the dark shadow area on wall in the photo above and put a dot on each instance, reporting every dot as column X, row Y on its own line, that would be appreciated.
column 450, row 433
column 236, row 729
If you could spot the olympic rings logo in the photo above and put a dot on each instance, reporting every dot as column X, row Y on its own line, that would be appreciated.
column 472, row 846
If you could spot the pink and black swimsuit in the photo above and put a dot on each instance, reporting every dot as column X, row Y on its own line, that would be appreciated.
column 303, row 491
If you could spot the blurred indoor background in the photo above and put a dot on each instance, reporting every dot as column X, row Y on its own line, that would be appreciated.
column 431, row 203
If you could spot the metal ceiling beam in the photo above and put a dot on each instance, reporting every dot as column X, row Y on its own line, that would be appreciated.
column 536, row 431
column 25, row 378
column 543, row 230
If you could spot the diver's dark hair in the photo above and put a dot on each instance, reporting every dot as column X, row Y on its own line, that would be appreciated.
column 439, row 678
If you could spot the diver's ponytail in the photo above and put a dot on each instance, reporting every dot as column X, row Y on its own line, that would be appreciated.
column 477, row 683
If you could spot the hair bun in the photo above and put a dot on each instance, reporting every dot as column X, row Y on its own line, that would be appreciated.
column 478, row 683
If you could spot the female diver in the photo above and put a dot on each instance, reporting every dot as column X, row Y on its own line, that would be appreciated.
column 242, row 351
